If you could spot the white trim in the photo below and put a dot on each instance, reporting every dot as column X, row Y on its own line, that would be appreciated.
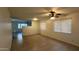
column 4, row 49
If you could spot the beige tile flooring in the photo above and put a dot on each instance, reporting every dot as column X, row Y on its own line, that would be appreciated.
column 41, row 43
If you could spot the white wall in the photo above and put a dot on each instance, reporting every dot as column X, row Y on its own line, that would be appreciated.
column 31, row 30
column 5, row 29
column 72, row 38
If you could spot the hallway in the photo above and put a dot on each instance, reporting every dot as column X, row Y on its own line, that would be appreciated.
column 42, row 43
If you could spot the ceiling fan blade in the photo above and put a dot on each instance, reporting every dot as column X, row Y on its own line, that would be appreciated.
column 47, row 12
column 48, row 8
column 44, row 15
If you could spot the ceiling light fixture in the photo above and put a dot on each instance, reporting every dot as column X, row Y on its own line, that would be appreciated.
column 52, row 18
column 35, row 19
column 52, row 15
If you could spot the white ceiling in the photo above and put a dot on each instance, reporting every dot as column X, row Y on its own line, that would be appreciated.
column 30, row 12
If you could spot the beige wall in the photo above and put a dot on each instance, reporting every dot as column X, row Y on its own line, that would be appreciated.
column 34, row 29
column 72, row 38
column 5, row 29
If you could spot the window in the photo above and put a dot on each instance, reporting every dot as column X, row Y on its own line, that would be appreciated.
column 62, row 26
column 20, row 26
column 66, row 26
column 57, row 26
column 43, row 26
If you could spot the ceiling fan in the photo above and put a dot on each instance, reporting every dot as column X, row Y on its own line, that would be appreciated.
column 52, row 13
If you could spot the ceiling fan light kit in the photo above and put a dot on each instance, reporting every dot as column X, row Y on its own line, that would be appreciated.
column 52, row 18
column 52, row 15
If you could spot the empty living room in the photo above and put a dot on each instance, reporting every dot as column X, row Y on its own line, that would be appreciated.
column 39, row 28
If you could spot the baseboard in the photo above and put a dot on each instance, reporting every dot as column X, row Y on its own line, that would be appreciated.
column 4, row 49
column 60, row 40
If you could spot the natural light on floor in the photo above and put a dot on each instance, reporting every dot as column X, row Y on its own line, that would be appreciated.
column 19, row 38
